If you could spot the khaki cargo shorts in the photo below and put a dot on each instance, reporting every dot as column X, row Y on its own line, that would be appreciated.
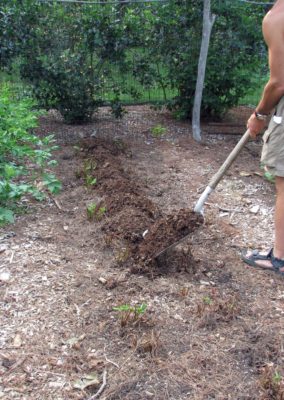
column 272, row 157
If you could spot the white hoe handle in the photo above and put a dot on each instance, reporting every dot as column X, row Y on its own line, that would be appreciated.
column 221, row 172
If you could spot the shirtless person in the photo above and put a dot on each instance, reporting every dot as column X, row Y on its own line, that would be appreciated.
column 273, row 148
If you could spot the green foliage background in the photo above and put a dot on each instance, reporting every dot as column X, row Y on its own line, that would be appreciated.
column 76, row 57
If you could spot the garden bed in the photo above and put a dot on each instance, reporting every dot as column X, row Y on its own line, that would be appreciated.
column 83, row 306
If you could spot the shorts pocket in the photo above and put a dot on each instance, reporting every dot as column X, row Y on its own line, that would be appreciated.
column 266, row 135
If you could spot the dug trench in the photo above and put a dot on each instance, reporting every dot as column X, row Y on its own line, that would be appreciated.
column 133, row 225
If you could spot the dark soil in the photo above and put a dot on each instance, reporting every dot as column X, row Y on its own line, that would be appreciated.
column 133, row 218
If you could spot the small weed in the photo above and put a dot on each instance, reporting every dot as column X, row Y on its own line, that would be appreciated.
column 91, row 209
column 95, row 212
column 271, row 383
column 130, row 315
column 270, row 178
column 100, row 213
column 215, row 309
column 277, row 377
column 88, row 172
column 137, row 310
column 267, row 175
column 207, row 300
column 90, row 181
column 158, row 130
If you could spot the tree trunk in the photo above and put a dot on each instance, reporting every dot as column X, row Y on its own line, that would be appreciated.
column 208, row 21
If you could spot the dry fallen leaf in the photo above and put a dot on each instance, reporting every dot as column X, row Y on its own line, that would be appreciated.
column 95, row 363
column 17, row 342
column 75, row 341
column 86, row 381
column 245, row 173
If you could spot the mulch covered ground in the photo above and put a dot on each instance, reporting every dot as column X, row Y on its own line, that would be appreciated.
column 87, row 309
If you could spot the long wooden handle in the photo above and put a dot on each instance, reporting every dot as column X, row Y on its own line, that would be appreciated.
column 221, row 172
column 229, row 160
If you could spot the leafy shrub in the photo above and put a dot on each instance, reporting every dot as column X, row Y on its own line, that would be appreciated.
column 65, row 83
column 68, row 54
column 72, row 55
column 25, row 159
column 235, row 52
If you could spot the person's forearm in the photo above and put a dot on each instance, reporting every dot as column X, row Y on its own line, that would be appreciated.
column 272, row 93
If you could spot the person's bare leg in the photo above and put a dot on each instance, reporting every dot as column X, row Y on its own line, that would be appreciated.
column 279, row 218
column 278, row 250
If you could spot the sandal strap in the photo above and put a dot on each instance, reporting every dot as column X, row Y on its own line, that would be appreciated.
column 257, row 256
column 276, row 262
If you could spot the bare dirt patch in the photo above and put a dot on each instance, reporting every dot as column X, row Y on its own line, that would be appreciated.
column 201, row 325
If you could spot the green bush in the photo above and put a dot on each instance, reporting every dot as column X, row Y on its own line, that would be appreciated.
column 67, row 55
column 74, row 55
column 236, row 51
column 25, row 159
column 64, row 83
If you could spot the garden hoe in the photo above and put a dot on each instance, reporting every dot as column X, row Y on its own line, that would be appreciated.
column 212, row 185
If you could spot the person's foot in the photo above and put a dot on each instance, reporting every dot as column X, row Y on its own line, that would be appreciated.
column 264, row 261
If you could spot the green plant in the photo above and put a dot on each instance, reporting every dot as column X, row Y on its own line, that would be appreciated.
column 90, row 181
column 137, row 309
column 269, row 177
column 88, row 170
column 277, row 377
column 207, row 300
column 67, row 56
column 95, row 212
column 101, row 213
column 216, row 308
column 130, row 314
column 91, row 209
column 234, row 54
column 271, row 383
column 25, row 159
column 117, row 109
column 158, row 130
column 73, row 60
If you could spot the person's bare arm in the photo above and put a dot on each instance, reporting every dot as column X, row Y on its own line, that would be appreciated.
column 273, row 30
column 274, row 36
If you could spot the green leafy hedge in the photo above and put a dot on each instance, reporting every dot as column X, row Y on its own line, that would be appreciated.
column 74, row 57
column 25, row 159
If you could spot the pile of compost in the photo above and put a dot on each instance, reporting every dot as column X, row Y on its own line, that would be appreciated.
column 133, row 224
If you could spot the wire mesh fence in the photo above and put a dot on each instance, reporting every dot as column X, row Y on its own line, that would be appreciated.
column 78, row 56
